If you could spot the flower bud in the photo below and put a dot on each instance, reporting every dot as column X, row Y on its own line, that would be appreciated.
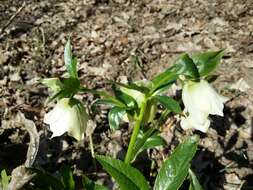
column 68, row 115
column 140, row 98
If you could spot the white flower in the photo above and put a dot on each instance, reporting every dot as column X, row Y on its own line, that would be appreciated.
column 68, row 115
column 200, row 100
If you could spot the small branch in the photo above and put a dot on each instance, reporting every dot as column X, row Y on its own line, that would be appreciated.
column 12, row 18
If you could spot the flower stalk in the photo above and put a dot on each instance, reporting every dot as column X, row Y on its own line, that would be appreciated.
column 91, row 147
column 135, row 132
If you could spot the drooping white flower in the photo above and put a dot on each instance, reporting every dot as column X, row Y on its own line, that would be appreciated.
column 200, row 100
column 68, row 115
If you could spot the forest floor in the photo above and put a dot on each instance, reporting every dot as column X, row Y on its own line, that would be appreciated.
column 106, row 36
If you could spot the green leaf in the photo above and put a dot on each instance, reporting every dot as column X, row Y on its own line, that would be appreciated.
column 147, row 140
column 71, row 85
column 185, row 65
column 91, row 185
column 195, row 185
column 123, row 97
column 175, row 168
column 150, row 113
column 5, row 179
column 141, row 139
column 169, row 103
column 59, row 95
column 101, row 93
column 115, row 116
column 132, row 86
column 206, row 62
column 64, row 88
column 70, row 61
column 125, row 175
column 110, row 101
column 153, row 141
column 53, row 83
column 67, row 178
column 162, row 79
column 162, row 89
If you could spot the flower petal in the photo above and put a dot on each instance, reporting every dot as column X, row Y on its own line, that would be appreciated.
column 58, row 119
column 190, row 122
column 200, row 100
column 216, row 101
column 79, row 122
column 203, row 97
column 68, row 115
column 185, row 123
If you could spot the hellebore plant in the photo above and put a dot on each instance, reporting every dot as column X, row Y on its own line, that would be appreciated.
column 138, row 103
column 69, row 114
column 138, row 100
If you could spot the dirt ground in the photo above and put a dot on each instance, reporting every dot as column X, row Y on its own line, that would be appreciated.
column 107, row 35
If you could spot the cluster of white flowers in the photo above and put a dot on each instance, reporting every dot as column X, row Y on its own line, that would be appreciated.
column 200, row 100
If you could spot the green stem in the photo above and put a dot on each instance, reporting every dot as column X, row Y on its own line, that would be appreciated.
column 91, row 147
column 135, row 133
column 92, row 152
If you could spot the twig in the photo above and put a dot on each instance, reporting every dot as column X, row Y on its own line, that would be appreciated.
column 43, row 38
column 13, row 17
